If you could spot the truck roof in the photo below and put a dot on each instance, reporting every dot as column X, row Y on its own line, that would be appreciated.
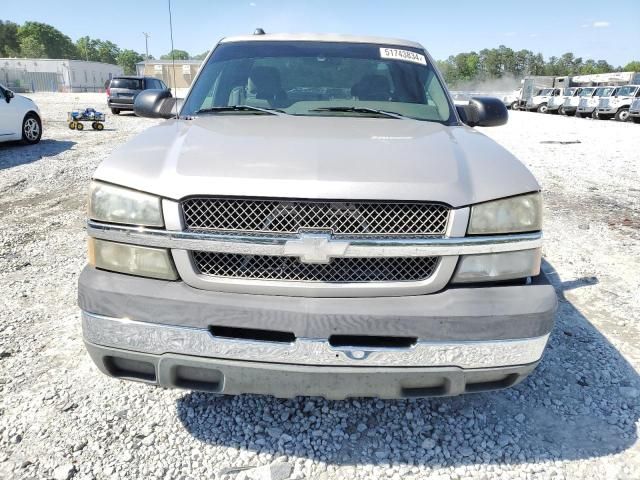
column 321, row 37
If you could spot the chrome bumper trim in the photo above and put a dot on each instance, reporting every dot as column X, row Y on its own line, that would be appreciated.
column 263, row 245
column 160, row 339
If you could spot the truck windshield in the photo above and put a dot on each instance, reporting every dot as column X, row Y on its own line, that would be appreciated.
column 627, row 91
column 586, row 92
column 545, row 91
column 604, row 92
column 320, row 78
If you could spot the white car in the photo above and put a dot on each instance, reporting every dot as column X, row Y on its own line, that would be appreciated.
column 19, row 118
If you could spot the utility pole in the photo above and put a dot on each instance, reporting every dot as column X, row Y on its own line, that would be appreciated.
column 146, row 45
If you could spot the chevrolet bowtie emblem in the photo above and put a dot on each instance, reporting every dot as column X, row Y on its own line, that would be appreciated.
column 315, row 248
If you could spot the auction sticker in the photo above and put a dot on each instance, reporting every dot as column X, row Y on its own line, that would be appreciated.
column 405, row 55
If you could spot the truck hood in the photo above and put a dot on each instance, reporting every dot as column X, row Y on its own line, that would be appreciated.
column 317, row 157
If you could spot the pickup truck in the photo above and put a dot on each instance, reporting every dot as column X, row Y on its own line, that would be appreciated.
column 316, row 218
column 588, row 105
column 618, row 105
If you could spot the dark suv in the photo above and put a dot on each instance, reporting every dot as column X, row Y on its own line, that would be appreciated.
column 122, row 91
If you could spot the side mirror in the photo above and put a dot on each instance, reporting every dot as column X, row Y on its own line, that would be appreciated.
column 155, row 104
column 483, row 112
column 8, row 95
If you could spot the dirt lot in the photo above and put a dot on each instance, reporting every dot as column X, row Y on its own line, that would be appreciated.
column 577, row 416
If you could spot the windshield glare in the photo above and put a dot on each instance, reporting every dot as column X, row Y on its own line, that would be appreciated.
column 300, row 77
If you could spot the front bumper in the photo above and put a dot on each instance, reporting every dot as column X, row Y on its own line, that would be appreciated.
column 466, row 339
column 235, row 377
column 607, row 111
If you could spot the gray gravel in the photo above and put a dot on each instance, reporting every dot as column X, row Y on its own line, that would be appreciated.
column 575, row 417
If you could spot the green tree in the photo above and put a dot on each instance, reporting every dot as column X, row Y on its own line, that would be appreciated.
column 87, row 49
column 177, row 54
column 201, row 56
column 30, row 47
column 127, row 59
column 602, row 66
column 633, row 66
column 9, row 42
column 107, row 51
column 55, row 43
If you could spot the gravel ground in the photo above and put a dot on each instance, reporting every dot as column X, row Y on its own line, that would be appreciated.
column 575, row 417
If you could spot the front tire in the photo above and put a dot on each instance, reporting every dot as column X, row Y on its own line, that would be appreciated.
column 515, row 106
column 80, row 126
column 31, row 129
column 635, row 119
column 604, row 116
column 622, row 115
column 542, row 108
column 115, row 111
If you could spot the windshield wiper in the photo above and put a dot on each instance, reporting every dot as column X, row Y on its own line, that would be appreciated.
column 359, row 110
column 240, row 108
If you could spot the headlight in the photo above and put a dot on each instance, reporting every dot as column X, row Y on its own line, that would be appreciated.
column 509, row 215
column 109, row 203
column 498, row 266
column 131, row 259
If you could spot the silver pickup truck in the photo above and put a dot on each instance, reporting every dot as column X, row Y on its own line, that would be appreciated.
column 316, row 218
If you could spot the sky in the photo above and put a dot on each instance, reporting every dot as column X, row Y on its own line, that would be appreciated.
column 590, row 29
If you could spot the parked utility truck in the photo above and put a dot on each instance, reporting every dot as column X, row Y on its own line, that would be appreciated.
column 587, row 105
column 617, row 106
column 570, row 105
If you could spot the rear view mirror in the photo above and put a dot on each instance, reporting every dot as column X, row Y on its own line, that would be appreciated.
column 8, row 95
column 483, row 112
column 155, row 104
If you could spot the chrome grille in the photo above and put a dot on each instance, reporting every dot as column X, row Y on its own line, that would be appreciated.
column 288, row 217
column 339, row 270
column 603, row 103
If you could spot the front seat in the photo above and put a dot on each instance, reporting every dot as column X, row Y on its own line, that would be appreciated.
column 372, row 87
column 265, row 81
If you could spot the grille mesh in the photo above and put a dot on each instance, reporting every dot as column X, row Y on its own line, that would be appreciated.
column 289, row 217
column 347, row 270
